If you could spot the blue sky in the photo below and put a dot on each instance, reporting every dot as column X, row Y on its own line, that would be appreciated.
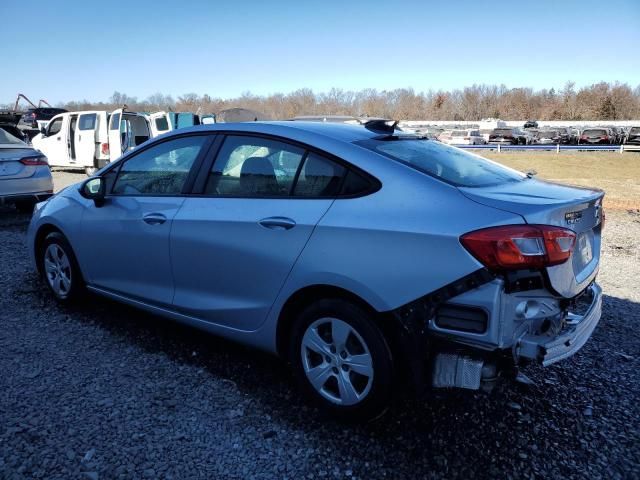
column 71, row 50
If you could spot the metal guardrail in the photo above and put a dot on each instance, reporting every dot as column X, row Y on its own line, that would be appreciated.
column 557, row 148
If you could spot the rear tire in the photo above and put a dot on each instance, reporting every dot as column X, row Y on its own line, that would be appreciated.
column 59, row 268
column 341, row 360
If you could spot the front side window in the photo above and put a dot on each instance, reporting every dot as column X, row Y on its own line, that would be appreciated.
column 55, row 126
column 254, row 167
column 449, row 164
column 87, row 122
column 161, row 169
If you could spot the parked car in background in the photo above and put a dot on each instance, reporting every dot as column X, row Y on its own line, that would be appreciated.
column 547, row 137
column 462, row 137
column 25, row 177
column 566, row 137
column 512, row 136
column 88, row 140
column 595, row 136
column 364, row 256
column 530, row 124
column 633, row 137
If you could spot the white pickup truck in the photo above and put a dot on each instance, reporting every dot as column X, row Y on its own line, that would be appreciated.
column 90, row 139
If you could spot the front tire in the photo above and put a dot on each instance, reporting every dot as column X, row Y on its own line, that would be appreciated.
column 60, row 269
column 342, row 360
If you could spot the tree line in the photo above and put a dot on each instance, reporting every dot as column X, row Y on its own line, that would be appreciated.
column 600, row 101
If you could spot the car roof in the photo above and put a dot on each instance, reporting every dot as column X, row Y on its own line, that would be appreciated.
column 298, row 130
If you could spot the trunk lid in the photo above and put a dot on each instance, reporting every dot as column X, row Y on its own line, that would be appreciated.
column 10, row 166
column 546, row 203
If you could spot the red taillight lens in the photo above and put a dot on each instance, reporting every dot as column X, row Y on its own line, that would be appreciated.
column 104, row 148
column 514, row 247
column 34, row 161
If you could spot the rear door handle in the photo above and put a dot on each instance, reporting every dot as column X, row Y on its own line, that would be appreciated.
column 154, row 218
column 277, row 223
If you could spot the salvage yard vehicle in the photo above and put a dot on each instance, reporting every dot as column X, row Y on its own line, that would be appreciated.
column 633, row 137
column 25, row 177
column 595, row 135
column 89, row 140
column 462, row 137
column 370, row 259
column 511, row 136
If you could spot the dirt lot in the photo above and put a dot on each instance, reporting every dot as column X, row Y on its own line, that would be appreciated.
column 102, row 391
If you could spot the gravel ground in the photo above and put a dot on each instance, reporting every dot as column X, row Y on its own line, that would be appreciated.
column 102, row 391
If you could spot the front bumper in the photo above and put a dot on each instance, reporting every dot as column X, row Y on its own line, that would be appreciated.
column 551, row 349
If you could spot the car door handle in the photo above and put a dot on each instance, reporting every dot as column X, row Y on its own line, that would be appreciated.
column 277, row 223
column 154, row 218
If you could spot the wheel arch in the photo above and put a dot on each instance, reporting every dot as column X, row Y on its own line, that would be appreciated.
column 307, row 295
column 44, row 230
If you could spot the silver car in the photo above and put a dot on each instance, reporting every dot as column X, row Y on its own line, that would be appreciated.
column 25, row 177
column 370, row 259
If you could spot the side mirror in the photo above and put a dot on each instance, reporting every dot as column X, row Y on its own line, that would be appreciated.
column 94, row 189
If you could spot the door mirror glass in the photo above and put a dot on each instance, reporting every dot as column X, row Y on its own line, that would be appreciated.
column 93, row 189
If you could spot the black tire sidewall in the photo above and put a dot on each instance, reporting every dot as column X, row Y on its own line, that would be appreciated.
column 378, row 398
column 77, row 282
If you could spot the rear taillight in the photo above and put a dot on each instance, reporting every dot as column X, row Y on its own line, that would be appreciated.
column 515, row 247
column 104, row 148
column 34, row 161
column 583, row 137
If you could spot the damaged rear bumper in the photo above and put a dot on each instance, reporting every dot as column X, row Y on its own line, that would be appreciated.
column 548, row 350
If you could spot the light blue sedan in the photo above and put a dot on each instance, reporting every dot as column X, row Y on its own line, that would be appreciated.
column 369, row 259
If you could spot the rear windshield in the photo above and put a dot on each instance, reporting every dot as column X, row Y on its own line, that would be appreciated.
column 502, row 131
column 446, row 163
column 595, row 131
column 548, row 134
column 7, row 138
column 459, row 133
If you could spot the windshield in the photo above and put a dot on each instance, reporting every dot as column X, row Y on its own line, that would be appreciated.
column 7, row 138
column 449, row 164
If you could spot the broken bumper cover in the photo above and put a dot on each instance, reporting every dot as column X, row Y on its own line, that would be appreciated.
column 548, row 350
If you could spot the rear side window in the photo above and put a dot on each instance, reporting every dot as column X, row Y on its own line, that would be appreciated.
column 161, row 169
column 319, row 177
column 115, row 122
column 87, row 122
column 446, row 163
column 254, row 167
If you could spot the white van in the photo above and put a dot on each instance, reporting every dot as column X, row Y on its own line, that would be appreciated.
column 89, row 140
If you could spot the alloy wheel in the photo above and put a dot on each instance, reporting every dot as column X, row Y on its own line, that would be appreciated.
column 57, row 270
column 337, row 361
